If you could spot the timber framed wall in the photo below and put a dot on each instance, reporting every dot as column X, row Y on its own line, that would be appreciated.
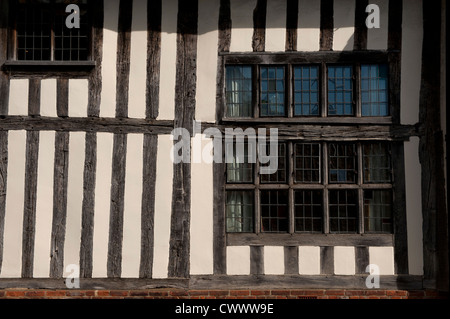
column 86, row 174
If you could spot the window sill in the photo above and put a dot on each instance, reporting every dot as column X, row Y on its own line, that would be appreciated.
column 380, row 120
column 47, row 68
column 297, row 239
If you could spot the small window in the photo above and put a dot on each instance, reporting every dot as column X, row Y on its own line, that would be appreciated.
column 340, row 90
column 42, row 34
column 378, row 211
column 307, row 162
column 280, row 175
column 306, row 90
column 274, row 211
column 239, row 91
column 342, row 163
column 343, row 206
column 377, row 163
column 308, row 211
column 272, row 91
column 374, row 90
column 239, row 211
column 239, row 167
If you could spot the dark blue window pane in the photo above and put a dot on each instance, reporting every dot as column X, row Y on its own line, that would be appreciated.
column 374, row 90
column 306, row 90
column 340, row 90
column 272, row 91
column 239, row 91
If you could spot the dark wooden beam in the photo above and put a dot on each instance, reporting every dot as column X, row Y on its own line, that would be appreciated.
column 59, row 204
column 185, row 88
column 34, row 97
column 95, row 77
column 114, row 265
column 62, row 97
column 29, row 211
column 219, row 239
column 3, row 184
column 148, row 205
column 291, row 25
column 154, row 14
column 257, row 260
column 361, row 259
column 431, row 153
column 259, row 26
column 224, row 26
column 326, row 25
column 327, row 260
column 291, row 259
column 88, row 206
column 4, row 78
column 360, row 37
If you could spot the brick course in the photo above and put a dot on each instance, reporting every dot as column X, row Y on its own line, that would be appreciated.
column 221, row 294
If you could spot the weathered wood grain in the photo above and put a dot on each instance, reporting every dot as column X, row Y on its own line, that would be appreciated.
column 257, row 260
column 29, row 211
column 62, row 97
column 4, row 78
column 360, row 36
column 3, row 184
column 59, row 204
column 88, row 206
column 291, row 25
column 326, row 25
column 148, row 205
column 291, row 266
column 361, row 259
column 224, row 26
column 34, row 97
column 327, row 260
column 259, row 26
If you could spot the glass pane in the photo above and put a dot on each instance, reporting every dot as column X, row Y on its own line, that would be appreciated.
column 307, row 162
column 272, row 91
column 340, row 90
column 239, row 211
column 377, row 163
column 280, row 175
column 374, row 84
column 342, row 163
column 274, row 211
column 378, row 211
column 308, row 210
column 239, row 166
column 306, row 90
column 239, row 91
column 343, row 206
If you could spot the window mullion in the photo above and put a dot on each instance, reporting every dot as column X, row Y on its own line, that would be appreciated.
column 323, row 90
column 289, row 104
column 256, row 87
column 290, row 176
column 357, row 90
column 52, row 32
column 257, row 197
column 326, row 210
column 360, row 189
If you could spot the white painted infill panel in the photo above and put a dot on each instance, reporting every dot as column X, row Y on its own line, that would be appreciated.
column 383, row 257
column 74, row 198
column 413, row 188
column 78, row 97
column 44, row 204
column 309, row 260
column 242, row 25
column 273, row 260
column 12, row 240
column 201, row 253
column 109, row 59
column 163, row 207
column 138, row 61
column 131, row 246
column 168, row 60
column 276, row 26
column 238, row 260
column 344, row 25
column 48, row 97
column 208, row 12
column 344, row 260
column 102, row 204
column 18, row 97
column 377, row 38
column 411, row 66
column 308, row 33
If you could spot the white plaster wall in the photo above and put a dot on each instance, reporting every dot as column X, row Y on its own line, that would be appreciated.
column 344, row 260
column 78, row 97
column 412, row 34
column 138, row 61
column 163, row 207
column 44, row 205
column 238, row 260
column 12, row 238
column 383, row 257
column 131, row 245
column 18, row 97
column 168, row 59
column 48, row 97
column 207, row 41
column 273, row 260
column 102, row 205
column 414, row 206
column 377, row 38
column 201, row 252
column 276, row 26
column 242, row 25
column 309, row 260
column 74, row 198
column 109, row 59
column 344, row 25
column 308, row 33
